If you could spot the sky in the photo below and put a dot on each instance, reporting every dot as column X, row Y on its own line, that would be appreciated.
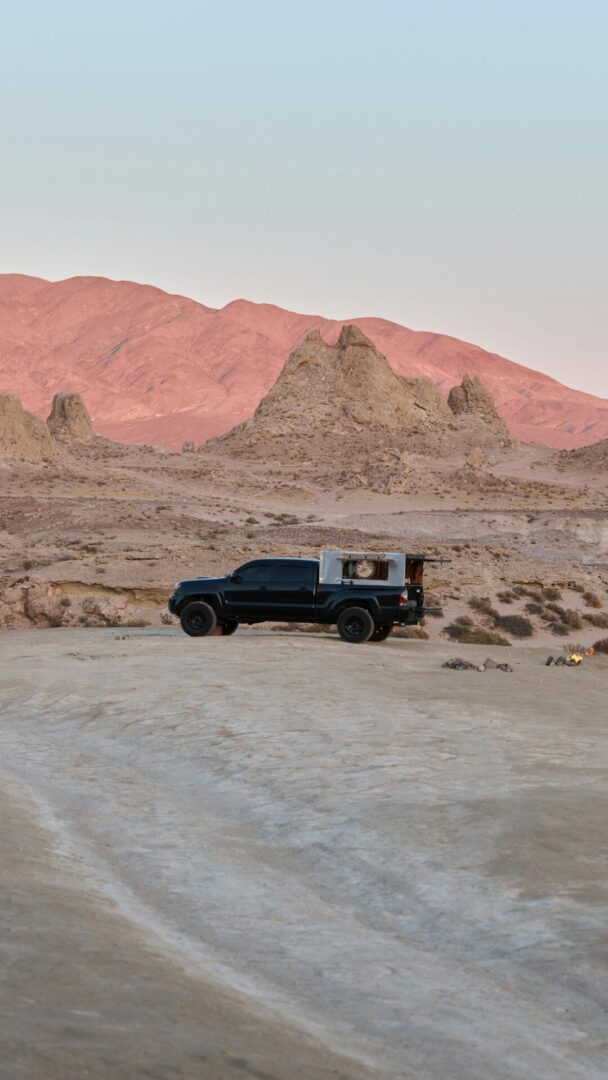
column 440, row 163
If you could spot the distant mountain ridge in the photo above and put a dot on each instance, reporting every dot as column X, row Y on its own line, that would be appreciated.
column 156, row 367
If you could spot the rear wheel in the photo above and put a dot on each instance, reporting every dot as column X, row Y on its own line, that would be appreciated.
column 229, row 627
column 381, row 631
column 355, row 625
column 198, row 619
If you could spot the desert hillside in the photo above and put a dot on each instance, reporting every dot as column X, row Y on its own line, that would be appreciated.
column 154, row 367
column 94, row 532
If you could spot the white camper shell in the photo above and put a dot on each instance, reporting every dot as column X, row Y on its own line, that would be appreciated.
column 363, row 568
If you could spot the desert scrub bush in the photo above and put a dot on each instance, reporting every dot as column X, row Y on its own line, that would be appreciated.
column 65, row 601
column 517, row 625
column 571, row 619
column 557, row 609
column 558, row 628
column 599, row 619
column 601, row 646
column 551, row 593
column 483, row 606
column 27, row 564
column 592, row 600
column 535, row 609
column 506, row 596
column 464, row 620
column 474, row 635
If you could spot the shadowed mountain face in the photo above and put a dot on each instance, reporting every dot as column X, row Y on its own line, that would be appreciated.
column 154, row 367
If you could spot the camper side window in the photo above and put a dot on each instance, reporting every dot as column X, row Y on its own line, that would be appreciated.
column 365, row 569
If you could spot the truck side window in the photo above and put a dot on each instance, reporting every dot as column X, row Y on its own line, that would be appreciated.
column 256, row 575
column 287, row 574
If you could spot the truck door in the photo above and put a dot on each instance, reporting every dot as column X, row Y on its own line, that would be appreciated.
column 292, row 591
column 249, row 593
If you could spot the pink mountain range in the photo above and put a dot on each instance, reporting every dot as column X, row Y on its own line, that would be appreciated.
column 153, row 367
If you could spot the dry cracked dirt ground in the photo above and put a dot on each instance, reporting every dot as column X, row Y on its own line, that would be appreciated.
column 281, row 857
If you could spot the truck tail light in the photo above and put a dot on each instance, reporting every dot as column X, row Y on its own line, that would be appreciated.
column 403, row 598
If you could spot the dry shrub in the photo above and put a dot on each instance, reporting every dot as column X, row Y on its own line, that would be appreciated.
column 557, row 609
column 536, row 609
column 532, row 594
column 592, row 600
column 474, row 635
column 483, row 606
column 601, row 646
column 572, row 619
column 506, row 596
column 551, row 593
column 517, row 625
column 464, row 620
column 600, row 620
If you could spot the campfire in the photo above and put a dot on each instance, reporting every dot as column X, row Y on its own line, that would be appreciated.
column 574, row 655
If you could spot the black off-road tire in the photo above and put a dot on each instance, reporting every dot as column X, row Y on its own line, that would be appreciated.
column 381, row 631
column 198, row 619
column 355, row 625
column 227, row 628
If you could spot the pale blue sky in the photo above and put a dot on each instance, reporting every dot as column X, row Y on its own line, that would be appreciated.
column 443, row 164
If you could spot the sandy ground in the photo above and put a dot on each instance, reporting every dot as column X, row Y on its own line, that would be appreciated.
column 279, row 856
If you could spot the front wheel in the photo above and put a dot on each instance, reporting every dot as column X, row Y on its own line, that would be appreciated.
column 355, row 625
column 381, row 632
column 229, row 627
column 198, row 619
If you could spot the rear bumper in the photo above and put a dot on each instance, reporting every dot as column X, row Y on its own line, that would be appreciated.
column 409, row 614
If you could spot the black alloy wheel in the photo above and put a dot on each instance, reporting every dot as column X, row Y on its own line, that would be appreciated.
column 198, row 619
column 355, row 625
column 381, row 631
column 229, row 627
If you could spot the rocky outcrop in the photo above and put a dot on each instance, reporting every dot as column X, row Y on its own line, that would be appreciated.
column 69, row 419
column 338, row 391
column 27, row 603
column 472, row 398
column 23, row 436
column 475, row 457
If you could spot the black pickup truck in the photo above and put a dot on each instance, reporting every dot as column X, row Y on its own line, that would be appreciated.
column 289, row 590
